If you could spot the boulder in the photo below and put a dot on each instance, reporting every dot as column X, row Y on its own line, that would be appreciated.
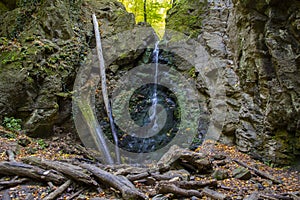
column 241, row 173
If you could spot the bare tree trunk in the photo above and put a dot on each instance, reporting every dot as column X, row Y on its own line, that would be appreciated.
column 145, row 10
column 103, row 86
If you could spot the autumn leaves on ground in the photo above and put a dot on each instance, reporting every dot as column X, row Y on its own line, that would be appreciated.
column 229, row 175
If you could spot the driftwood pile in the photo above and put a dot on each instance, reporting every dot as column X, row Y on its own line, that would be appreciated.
column 171, row 175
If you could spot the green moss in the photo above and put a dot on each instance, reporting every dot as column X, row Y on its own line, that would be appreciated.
column 186, row 17
column 11, row 56
column 285, row 146
column 192, row 72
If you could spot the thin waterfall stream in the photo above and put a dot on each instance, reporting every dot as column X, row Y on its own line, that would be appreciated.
column 153, row 109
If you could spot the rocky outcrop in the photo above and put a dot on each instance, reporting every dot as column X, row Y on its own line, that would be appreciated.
column 43, row 44
column 266, row 52
column 256, row 47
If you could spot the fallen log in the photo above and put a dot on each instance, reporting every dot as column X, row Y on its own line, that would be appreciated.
column 120, row 183
column 72, row 171
column 134, row 177
column 258, row 172
column 195, row 184
column 76, row 194
column 58, row 191
column 26, row 170
column 163, row 177
column 126, row 170
column 165, row 188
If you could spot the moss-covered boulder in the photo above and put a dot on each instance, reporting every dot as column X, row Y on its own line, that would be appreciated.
column 186, row 17
column 43, row 44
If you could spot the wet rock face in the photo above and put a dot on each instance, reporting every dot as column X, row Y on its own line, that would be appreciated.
column 42, row 48
column 256, row 46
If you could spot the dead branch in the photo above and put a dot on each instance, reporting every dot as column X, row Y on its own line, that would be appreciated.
column 276, row 196
column 134, row 177
column 162, row 177
column 165, row 188
column 72, row 171
column 258, row 172
column 195, row 184
column 213, row 194
column 76, row 194
column 292, row 194
column 267, row 197
column 58, row 191
column 118, row 182
column 12, row 183
column 26, row 170
column 125, row 170
column 103, row 86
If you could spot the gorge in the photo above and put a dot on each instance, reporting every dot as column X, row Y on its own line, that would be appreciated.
column 253, row 45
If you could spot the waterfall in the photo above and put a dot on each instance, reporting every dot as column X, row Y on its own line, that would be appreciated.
column 153, row 109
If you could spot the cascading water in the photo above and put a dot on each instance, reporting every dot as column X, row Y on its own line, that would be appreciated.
column 153, row 110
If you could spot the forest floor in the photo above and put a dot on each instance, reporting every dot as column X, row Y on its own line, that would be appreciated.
column 229, row 179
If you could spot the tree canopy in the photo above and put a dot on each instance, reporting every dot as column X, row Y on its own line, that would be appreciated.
column 150, row 11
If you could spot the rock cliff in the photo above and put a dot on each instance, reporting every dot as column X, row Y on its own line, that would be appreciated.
column 256, row 46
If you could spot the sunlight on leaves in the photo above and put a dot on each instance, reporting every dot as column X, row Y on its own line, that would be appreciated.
column 151, row 11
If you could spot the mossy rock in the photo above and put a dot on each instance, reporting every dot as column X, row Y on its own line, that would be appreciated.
column 43, row 48
column 186, row 17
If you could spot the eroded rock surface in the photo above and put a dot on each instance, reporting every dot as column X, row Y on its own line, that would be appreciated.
column 256, row 47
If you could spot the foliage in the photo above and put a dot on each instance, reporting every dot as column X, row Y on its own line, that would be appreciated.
column 155, row 15
column 269, row 163
column 192, row 72
column 12, row 124
column 42, row 144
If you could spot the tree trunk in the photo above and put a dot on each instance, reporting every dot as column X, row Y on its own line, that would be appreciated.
column 145, row 10
column 104, row 88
